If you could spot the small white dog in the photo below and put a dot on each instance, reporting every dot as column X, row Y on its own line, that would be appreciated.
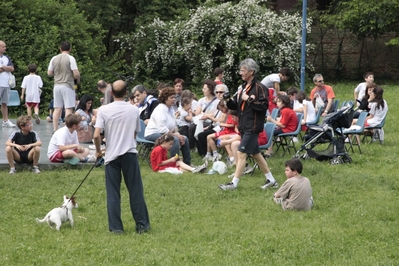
column 61, row 214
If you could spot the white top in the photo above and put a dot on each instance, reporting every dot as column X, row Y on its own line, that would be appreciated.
column 62, row 137
column 297, row 105
column 361, row 90
column 5, row 76
column 162, row 120
column 32, row 84
column 212, row 108
column 378, row 114
column 311, row 112
column 268, row 81
column 181, row 121
column 194, row 104
column 120, row 121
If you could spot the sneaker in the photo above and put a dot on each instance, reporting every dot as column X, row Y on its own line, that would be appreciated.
column 216, row 157
column 201, row 169
column 35, row 170
column 269, row 184
column 93, row 147
column 12, row 171
column 37, row 119
column 248, row 169
column 208, row 158
column 90, row 159
column 8, row 123
column 228, row 162
column 228, row 186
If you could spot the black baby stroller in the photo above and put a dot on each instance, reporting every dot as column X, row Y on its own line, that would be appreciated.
column 329, row 134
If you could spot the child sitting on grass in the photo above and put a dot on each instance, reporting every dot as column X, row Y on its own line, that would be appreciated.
column 23, row 145
column 161, row 163
column 296, row 192
column 64, row 144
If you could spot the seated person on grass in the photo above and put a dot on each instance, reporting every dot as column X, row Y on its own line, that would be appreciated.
column 288, row 120
column 64, row 144
column 159, row 159
column 296, row 192
column 23, row 145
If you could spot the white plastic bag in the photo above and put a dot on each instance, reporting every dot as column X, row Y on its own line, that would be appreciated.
column 199, row 128
column 11, row 81
column 319, row 102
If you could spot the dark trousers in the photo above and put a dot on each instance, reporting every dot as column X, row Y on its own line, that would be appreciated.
column 191, row 138
column 202, row 142
column 184, row 131
column 129, row 166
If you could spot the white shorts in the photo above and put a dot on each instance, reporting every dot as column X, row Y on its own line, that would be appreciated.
column 64, row 97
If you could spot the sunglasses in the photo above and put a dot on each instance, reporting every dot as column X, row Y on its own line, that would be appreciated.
column 320, row 80
column 219, row 91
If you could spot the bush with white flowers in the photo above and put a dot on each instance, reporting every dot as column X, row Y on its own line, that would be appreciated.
column 220, row 35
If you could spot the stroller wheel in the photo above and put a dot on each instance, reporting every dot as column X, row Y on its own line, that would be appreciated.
column 347, row 159
column 336, row 160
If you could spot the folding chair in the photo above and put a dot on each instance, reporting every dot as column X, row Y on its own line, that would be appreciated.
column 269, row 129
column 376, row 131
column 335, row 105
column 145, row 145
column 14, row 100
column 287, row 139
column 312, row 123
column 353, row 141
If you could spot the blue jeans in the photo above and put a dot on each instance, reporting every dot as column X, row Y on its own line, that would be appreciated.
column 185, row 149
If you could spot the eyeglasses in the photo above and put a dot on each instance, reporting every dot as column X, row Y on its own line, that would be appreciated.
column 320, row 80
column 219, row 91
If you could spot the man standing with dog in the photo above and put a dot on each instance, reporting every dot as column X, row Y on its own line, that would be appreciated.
column 119, row 119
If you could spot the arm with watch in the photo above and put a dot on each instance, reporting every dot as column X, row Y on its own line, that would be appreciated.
column 329, row 106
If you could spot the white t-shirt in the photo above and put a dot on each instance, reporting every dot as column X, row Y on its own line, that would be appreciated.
column 120, row 121
column 32, row 84
column 62, row 137
column 162, row 120
column 297, row 105
column 311, row 112
column 5, row 76
column 268, row 81
column 211, row 109
column 181, row 121
column 361, row 90
column 379, row 114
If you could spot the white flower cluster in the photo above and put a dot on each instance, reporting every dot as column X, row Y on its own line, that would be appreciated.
column 221, row 35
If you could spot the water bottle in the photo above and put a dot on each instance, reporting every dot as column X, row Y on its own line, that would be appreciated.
column 85, row 126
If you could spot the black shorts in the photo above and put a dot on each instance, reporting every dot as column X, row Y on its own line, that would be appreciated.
column 24, row 156
column 249, row 143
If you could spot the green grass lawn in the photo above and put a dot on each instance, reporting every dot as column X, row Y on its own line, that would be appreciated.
column 354, row 221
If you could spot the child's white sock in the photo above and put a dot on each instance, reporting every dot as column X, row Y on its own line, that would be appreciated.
column 235, row 181
column 270, row 177
column 208, row 153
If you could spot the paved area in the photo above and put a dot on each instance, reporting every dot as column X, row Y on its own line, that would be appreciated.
column 44, row 130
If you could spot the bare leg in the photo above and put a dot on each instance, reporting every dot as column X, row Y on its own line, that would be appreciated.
column 34, row 155
column 240, row 164
column 29, row 111
column 11, row 155
column 184, row 166
column 261, row 162
column 234, row 149
column 4, row 111
column 56, row 117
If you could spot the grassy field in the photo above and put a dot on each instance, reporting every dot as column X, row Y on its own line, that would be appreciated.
column 354, row 221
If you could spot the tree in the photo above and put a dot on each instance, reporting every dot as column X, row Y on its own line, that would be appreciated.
column 33, row 30
column 215, row 35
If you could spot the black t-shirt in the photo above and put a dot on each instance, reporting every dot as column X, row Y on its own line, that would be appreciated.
column 19, row 138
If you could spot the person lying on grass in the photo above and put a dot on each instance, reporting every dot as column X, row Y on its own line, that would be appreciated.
column 296, row 192
column 160, row 161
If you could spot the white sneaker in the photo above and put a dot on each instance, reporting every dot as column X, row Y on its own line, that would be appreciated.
column 248, row 169
column 201, row 169
column 36, row 170
column 8, row 123
column 93, row 147
column 228, row 186
column 208, row 158
column 269, row 184
column 216, row 157
column 37, row 119
column 12, row 171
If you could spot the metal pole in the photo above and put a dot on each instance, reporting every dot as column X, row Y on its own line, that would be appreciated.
column 303, row 46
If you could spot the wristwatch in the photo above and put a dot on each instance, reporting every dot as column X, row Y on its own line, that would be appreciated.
column 325, row 111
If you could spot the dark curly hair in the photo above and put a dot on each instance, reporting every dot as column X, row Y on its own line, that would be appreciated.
column 166, row 93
